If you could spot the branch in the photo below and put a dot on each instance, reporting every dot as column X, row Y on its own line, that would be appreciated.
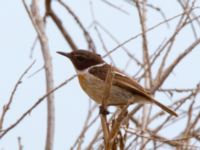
column 58, row 22
column 41, row 99
column 115, row 40
column 20, row 146
column 142, row 17
column 115, row 7
column 105, row 127
column 39, row 23
column 138, row 35
column 86, row 126
column 169, row 69
column 182, row 23
column 7, row 106
column 98, row 33
column 91, row 44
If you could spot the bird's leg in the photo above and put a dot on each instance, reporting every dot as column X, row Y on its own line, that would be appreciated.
column 103, row 110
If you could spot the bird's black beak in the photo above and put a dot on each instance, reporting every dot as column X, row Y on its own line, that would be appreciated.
column 65, row 54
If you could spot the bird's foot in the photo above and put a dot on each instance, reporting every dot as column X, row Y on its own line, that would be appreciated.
column 103, row 110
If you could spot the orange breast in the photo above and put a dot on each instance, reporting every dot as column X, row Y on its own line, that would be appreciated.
column 82, row 81
column 92, row 86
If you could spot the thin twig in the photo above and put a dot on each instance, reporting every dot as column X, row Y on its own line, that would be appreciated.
column 91, row 44
column 20, row 146
column 98, row 33
column 59, row 24
column 115, row 7
column 138, row 35
column 7, row 106
column 41, row 99
column 169, row 69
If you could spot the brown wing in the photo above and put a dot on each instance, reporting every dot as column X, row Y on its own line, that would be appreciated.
column 125, row 82
column 120, row 80
column 131, row 85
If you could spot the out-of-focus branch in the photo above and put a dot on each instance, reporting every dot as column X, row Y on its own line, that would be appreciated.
column 91, row 44
column 153, row 7
column 141, row 8
column 169, row 69
column 153, row 137
column 41, row 99
column 94, row 139
column 138, row 35
column 169, row 42
column 178, row 90
column 20, row 146
column 182, row 23
column 58, row 22
column 123, row 47
column 99, row 34
column 39, row 23
column 115, row 7
column 164, row 123
column 192, row 14
column 86, row 126
column 7, row 106
column 142, row 17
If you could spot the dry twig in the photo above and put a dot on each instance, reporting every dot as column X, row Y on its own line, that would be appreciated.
column 41, row 99
column 7, row 106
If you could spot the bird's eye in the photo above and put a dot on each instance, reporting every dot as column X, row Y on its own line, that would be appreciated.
column 81, row 59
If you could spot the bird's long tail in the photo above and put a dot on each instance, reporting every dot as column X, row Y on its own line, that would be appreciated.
column 165, row 108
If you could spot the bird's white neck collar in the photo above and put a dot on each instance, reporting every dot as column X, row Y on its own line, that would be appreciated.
column 86, row 70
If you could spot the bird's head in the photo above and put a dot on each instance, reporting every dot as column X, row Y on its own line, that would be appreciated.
column 82, row 59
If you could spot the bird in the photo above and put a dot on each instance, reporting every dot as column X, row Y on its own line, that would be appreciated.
column 92, row 71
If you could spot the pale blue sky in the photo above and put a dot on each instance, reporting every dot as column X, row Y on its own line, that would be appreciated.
column 17, row 36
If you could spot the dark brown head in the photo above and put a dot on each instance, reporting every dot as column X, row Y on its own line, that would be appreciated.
column 83, row 59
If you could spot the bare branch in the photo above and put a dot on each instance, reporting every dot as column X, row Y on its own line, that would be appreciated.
column 169, row 69
column 7, row 106
column 99, row 34
column 115, row 7
column 20, row 143
column 41, row 99
column 39, row 23
column 58, row 22
column 138, row 35
column 91, row 44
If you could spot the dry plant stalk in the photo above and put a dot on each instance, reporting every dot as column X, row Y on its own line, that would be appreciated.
column 103, row 112
column 110, row 132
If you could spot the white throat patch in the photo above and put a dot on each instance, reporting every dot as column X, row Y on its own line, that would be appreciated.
column 79, row 72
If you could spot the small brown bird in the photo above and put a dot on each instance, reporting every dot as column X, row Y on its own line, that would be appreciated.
column 92, row 71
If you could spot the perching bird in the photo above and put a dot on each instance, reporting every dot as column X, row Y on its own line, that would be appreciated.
column 92, row 71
